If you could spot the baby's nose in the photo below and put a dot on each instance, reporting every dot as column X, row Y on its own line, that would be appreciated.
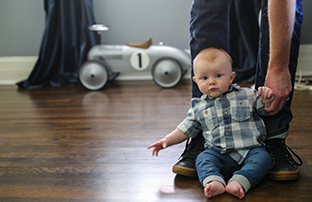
column 211, row 82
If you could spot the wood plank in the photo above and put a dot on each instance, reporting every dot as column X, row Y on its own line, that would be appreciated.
column 72, row 144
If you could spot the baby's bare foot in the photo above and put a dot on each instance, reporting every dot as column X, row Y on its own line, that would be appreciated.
column 235, row 189
column 213, row 189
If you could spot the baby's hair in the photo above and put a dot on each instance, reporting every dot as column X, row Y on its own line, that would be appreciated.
column 211, row 53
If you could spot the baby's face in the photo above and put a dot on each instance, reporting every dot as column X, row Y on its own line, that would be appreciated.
column 213, row 77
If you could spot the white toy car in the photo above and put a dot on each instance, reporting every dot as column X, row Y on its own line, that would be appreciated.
column 167, row 64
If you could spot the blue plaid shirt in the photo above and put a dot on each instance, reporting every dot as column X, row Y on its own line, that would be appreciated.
column 230, row 122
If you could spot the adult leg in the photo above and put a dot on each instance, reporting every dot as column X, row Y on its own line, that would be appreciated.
column 284, row 167
column 244, row 46
column 209, row 27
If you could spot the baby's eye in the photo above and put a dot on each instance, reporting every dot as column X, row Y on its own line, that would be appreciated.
column 205, row 78
column 218, row 75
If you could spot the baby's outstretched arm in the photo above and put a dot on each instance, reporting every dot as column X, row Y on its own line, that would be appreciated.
column 175, row 137
column 267, row 95
column 159, row 145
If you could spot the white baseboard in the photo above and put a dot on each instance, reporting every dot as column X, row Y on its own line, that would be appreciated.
column 16, row 68
column 305, row 60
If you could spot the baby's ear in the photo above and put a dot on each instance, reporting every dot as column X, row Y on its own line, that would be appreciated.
column 233, row 74
column 194, row 79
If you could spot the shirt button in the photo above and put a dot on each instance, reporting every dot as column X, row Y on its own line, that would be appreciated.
column 225, row 113
column 226, row 133
column 240, row 102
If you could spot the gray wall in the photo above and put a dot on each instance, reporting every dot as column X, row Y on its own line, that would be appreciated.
column 21, row 27
column 133, row 21
column 22, row 23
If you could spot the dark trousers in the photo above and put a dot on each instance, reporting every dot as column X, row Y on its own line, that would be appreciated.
column 210, row 27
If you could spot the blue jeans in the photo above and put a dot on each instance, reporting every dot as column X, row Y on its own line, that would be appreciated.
column 209, row 27
column 254, row 168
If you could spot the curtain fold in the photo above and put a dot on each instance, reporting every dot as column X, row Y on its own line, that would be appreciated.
column 65, row 43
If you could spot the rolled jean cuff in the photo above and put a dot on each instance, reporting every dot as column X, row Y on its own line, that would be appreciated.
column 242, row 180
column 211, row 178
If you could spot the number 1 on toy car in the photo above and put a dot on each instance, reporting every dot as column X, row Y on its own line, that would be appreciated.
column 139, row 60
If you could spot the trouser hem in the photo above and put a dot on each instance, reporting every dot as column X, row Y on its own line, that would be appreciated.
column 211, row 178
column 242, row 180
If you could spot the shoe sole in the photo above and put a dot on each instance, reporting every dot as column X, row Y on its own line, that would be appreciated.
column 180, row 170
column 284, row 175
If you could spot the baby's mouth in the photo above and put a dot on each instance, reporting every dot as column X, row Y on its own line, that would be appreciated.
column 213, row 89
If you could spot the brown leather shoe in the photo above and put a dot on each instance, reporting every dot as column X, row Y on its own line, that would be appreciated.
column 284, row 167
column 186, row 166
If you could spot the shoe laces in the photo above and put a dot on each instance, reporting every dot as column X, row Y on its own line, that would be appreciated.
column 193, row 147
column 281, row 152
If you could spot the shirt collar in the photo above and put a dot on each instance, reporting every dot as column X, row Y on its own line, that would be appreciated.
column 233, row 87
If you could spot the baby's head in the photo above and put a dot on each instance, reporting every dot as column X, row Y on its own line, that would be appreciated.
column 213, row 71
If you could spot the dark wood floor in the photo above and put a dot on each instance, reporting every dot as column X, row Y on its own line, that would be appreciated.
column 72, row 144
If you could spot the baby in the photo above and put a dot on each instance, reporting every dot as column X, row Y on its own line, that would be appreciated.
column 228, row 117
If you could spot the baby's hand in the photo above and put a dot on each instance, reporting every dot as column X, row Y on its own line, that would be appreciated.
column 161, row 144
column 267, row 95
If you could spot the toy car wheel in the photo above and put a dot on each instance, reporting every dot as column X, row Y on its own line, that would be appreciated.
column 93, row 75
column 167, row 73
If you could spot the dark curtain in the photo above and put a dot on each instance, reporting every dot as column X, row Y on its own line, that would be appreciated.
column 244, row 37
column 65, row 43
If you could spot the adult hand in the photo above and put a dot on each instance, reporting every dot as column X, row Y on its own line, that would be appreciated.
column 280, row 83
